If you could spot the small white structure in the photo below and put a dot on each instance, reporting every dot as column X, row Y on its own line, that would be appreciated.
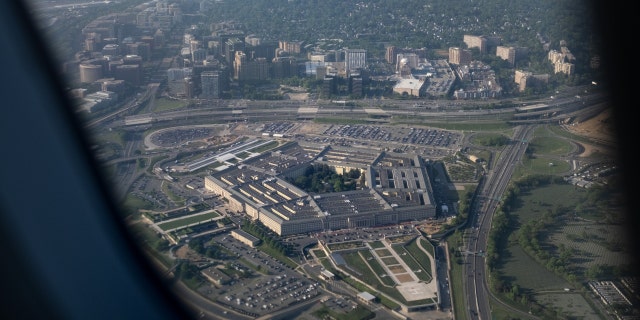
column 366, row 297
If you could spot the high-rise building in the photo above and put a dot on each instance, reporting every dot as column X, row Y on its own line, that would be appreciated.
column 232, row 46
column 239, row 63
column 290, row 46
column 511, row 54
column 131, row 73
column 411, row 60
column 355, row 87
column 189, row 87
column 141, row 49
column 252, row 40
column 265, row 49
column 132, row 59
column 210, row 83
column 178, row 74
column 562, row 61
column 459, row 56
column 483, row 43
column 284, row 67
column 355, row 59
column 111, row 50
column 90, row 73
column 258, row 69
column 391, row 54
column 321, row 72
column 113, row 85
column 328, row 87
column 507, row 53
column 198, row 55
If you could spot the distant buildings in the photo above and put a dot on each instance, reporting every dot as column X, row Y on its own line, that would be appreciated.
column 525, row 79
column 459, row 56
column 211, row 84
column 118, row 46
column 562, row 61
column 410, row 87
column 511, row 54
column 478, row 81
column 483, row 43
column 355, row 59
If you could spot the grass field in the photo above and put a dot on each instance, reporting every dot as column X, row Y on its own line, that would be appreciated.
column 363, row 265
column 571, row 305
column 520, row 268
column 591, row 243
column 164, row 104
column 178, row 223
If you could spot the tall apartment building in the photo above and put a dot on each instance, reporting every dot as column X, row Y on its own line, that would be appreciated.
column 355, row 59
column 507, row 53
column 481, row 42
column 562, row 61
column 526, row 79
column 391, row 54
column 520, row 75
column 511, row 54
column 459, row 56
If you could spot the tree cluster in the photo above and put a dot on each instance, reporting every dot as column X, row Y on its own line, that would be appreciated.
column 322, row 178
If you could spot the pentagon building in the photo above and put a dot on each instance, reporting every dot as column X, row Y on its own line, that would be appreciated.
column 397, row 189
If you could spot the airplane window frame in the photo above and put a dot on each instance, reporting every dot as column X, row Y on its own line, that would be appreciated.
column 47, row 153
column 68, row 255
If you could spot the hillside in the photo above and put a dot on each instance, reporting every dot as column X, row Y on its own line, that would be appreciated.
column 598, row 128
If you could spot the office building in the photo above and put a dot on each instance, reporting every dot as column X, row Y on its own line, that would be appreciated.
column 131, row 73
column 90, row 73
column 397, row 189
column 284, row 67
column 355, row 59
column 210, row 83
column 293, row 47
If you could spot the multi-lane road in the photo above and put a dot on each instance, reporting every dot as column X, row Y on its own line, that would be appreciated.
column 491, row 190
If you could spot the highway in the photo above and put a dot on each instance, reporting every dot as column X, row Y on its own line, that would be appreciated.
column 374, row 110
column 488, row 200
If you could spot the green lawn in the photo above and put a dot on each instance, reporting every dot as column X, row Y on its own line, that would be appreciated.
column 188, row 221
column 164, row 104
